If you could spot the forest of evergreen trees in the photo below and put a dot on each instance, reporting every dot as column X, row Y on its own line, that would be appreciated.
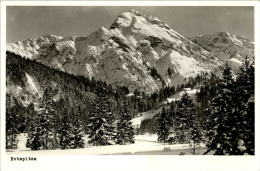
column 63, row 123
column 48, row 128
column 221, row 116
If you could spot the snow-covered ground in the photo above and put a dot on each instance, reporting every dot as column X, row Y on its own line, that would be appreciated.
column 22, row 138
column 145, row 115
column 144, row 145
column 178, row 95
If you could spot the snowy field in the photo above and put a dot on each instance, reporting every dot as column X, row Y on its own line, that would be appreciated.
column 144, row 145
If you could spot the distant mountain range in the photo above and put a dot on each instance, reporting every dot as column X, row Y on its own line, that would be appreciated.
column 227, row 47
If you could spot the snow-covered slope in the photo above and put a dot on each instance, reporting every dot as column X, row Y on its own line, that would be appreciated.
column 227, row 47
column 124, row 54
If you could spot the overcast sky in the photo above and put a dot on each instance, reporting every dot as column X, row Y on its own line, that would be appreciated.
column 30, row 22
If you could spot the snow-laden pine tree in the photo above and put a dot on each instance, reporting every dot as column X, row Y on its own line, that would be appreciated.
column 11, row 126
column 249, row 128
column 245, row 79
column 125, row 131
column 231, row 121
column 43, row 126
column 46, row 114
column 195, row 131
column 100, row 122
column 64, row 131
column 221, row 129
column 164, row 126
column 244, row 101
column 34, row 140
column 183, row 119
column 77, row 131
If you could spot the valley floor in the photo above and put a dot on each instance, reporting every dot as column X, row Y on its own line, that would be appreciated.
column 144, row 145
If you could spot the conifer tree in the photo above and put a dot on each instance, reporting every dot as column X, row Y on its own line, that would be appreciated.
column 164, row 126
column 100, row 128
column 244, row 101
column 245, row 80
column 249, row 128
column 221, row 129
column 34, row 140
column 64, row 131
column 11, row 128
column 78, row 133
column 195, row 131
column 43, row 129
column 183, row 119
column 46, row 115
column 125, row 130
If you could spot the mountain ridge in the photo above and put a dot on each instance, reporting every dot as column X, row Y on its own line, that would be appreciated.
column 227, row 47
column 124, row 54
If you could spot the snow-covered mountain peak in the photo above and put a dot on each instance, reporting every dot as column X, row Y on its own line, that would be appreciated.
column 142, row 25
column 224, row 38
column 238, row 40
column 29, row 48
column 227, row 47
column 124, row 54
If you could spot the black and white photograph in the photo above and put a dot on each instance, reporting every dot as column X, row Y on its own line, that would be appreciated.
column 129, row 81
